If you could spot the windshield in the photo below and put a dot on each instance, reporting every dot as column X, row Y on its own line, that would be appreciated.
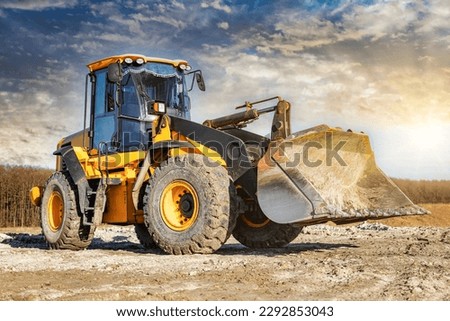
column 155, row 82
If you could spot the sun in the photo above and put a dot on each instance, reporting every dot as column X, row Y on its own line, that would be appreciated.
column 425, row 152
column 414, row 150
column 429, row 138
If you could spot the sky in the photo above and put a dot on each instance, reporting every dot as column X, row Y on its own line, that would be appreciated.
column 378, row 66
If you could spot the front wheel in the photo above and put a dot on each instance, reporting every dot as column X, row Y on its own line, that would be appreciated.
column 187, row 205
column 60, row 220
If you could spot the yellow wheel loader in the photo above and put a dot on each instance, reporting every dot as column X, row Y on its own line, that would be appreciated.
column 186, row 186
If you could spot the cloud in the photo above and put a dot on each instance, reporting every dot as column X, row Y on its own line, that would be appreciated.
column 87, row 46
column 33, row 5
column 427, row 59
column 223, row 25
column 109, row 27
column 362, row 67
column 435, row 18
column 37, row 111
column 32, row 123
column 299, row 30
column 382, row 19
column 216, row 4
column 178, row 5
column 369, row 68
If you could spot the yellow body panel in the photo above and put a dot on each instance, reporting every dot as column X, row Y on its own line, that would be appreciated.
column 80, row 138
column 119, row 205
column 208, row 152
column 124, row 166
column 164, row 132
column 197, row 148
column 105, row 62
column 36, row 195
column 93, row 166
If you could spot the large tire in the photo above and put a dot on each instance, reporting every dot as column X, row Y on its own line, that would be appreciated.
column 60, row 221
column 254, row 230
column 187, row 205
column 144, row 236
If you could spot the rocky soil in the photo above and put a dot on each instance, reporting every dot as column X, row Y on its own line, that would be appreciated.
column 368, row 261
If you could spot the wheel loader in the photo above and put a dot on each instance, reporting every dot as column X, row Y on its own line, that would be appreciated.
column 187, row 187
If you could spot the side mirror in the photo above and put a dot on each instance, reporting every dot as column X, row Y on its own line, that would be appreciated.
column 115, row 73
column 200, row 81
column 197, row 75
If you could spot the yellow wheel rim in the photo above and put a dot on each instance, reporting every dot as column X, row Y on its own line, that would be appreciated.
column 253, row 224
column 179, row 205
column 55, row 211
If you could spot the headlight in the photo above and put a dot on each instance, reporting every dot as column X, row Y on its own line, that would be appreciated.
column 159, row 107
column 155, row 108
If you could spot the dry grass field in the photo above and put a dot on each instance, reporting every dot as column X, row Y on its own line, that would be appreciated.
column 439, row 217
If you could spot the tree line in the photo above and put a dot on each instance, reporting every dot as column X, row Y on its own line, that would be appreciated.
column 15, row 184
column 16, row 209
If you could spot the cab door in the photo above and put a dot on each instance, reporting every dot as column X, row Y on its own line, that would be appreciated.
column 104, row 114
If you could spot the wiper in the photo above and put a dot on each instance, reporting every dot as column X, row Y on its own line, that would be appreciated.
column 142, row 92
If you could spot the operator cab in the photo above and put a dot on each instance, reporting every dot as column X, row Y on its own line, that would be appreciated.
column 129, row 92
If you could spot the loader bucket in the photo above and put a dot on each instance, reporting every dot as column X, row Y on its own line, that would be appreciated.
column 326, row 174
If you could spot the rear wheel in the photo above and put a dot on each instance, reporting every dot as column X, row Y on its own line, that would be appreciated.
column 144, row 236
column 60, row 220
column 187, row 205
column 253, row 229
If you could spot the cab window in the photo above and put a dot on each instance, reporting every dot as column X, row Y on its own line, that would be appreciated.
column 104, row 113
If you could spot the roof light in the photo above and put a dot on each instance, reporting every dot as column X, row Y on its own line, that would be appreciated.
column 185, row 67
column 139, row 61
column 128, row 60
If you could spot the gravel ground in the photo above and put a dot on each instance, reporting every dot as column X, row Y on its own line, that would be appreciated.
column 368, row 261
